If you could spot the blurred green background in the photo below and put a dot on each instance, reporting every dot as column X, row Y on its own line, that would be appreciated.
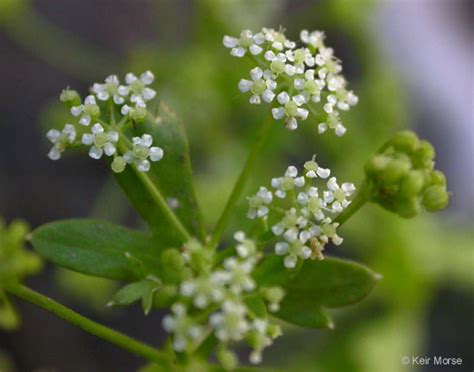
column 425, row 303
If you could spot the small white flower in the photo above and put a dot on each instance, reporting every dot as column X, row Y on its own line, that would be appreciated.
column 86, row 111
column 290, row 109
column 301, row 58
column 111, row 88
column 142, row 151
column 230, row 324
column 258, row 204
column 313, row 170
column 310, row 87
column 337, row 195
column 246, row 41
column 315, row 38
column 246, row 247
column 288, row 182
column 140, row 93
column 261, row 86
column 100, row 141
column 60, row 140
column 185, row 332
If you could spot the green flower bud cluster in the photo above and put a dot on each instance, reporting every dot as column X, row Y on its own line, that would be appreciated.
column 15, row 264
column 401, row 177
column 15, row 261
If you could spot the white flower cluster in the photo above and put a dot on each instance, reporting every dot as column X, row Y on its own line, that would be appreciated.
column 308, row 224
column 303, row 80
column 131, row 99
column 221, row 291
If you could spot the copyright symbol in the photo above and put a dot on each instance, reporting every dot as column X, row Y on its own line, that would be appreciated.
column 405, row 360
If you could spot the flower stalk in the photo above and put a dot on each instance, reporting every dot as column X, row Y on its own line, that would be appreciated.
column 241, row 182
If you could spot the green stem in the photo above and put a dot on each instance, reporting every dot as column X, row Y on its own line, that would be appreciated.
column 241, row 182
column 358, row 202
column 156, row 194
column 99, row 330
column 124, row 145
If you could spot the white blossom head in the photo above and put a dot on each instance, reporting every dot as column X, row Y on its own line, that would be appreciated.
column 304, row 211
column 306, row 81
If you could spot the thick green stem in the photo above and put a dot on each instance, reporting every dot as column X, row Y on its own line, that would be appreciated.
column 358, row 202
column 241, row 182
column 99, row 330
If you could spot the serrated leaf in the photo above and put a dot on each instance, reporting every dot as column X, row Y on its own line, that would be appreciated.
column 171, row 177
column 330, row 283
column 97, row 248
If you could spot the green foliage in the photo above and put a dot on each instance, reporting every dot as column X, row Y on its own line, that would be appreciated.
column 171, row 177
column 97, row 248
column 16, row 263
column 142, row 290
column 401, row 178
column 9, row 318
column 330, row 283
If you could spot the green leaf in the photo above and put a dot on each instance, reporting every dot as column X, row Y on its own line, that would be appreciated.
column 257, row 306
column 133, row 292
column 171, row 177
column 330, row 283
column 97, row 248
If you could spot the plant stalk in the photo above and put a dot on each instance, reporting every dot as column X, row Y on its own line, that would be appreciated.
column 358, row 202
column 128, row 343
column 241, row 182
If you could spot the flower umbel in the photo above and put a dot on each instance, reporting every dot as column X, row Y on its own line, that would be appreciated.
column 107, row 135
column 303, row 213
column 220, row 290
column 307, row 81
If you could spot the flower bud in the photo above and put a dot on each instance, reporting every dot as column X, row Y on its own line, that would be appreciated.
column 408, row 208
column 412, row 183
column 165, row 296
column 138, row 114
column 70, row 97
column 435, row 198
column 405, row 141
column 424, row 155
column 227, row 359
column 377, row 164
column 437, row 178
column 172, row 266
column 394, row 171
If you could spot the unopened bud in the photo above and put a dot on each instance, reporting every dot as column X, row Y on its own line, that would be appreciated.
column 377, row 164
column 437, row 178
column 165, row 296
column 227, row 359
column 412, row 183
column 409, row 207
column 394, row 171
column 424, row 155
column 435, row 198
column 405, row 141
column 70, row 97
